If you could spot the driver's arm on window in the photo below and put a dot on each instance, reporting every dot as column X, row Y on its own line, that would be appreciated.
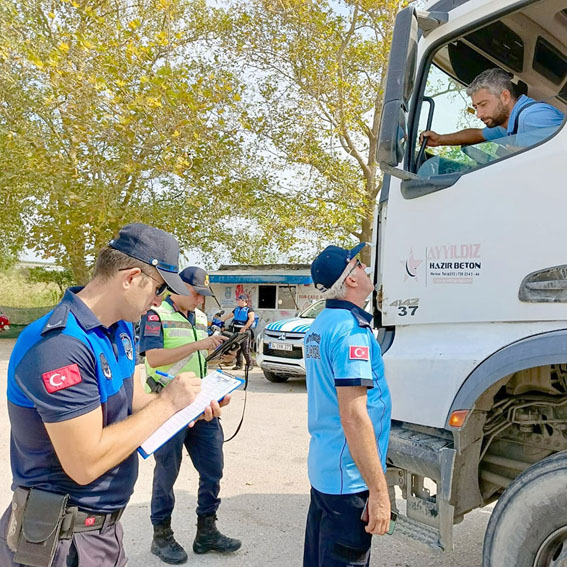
column 461, row 138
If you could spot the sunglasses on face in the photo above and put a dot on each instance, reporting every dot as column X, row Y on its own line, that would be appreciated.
column 160, row 290
column 357, row 265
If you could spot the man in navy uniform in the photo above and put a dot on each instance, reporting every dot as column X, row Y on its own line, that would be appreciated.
column 242, row 322
column 348, row 417
column 78, row 410
column 174, row 339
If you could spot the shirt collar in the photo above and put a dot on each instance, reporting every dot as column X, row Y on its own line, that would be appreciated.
column 522, row 101
column 363, row 317
column 190, row 314
column 71, row 303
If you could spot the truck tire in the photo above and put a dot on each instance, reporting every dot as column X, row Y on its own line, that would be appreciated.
column 272, row 377
column 528, row 527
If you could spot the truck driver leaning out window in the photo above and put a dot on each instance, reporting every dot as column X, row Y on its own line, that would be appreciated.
column 494, row 99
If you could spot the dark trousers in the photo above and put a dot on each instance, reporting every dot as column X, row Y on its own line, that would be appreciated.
column 244, row 350
column 204, row 442
column 99, row 548
column 334, row 535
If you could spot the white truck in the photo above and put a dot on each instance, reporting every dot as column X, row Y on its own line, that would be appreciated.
column 471, row 272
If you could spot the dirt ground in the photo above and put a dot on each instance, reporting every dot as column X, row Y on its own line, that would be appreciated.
column 265, row 490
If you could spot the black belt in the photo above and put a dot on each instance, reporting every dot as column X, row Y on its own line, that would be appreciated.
column 74, row 519
column 89, row 521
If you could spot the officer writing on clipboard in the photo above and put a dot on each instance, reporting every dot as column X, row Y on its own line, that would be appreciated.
column 174, row 339
column 78, row 410
column 242, row 322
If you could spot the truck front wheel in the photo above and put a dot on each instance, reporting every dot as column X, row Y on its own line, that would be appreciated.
column 528, row 527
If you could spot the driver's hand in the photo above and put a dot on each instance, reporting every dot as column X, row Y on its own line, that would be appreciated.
column 433, row 138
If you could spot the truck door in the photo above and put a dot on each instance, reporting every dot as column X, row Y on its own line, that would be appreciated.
column 467, row 227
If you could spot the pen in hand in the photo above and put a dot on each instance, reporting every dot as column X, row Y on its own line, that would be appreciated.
column 170, row 377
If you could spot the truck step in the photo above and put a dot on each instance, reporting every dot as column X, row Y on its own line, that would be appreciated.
column 418, row 532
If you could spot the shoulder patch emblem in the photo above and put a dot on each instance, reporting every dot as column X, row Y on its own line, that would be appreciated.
column 61, row 378
column 358, row 353
column 127, row 344
column 152, row 329
column 105, row 366
column 153, row 317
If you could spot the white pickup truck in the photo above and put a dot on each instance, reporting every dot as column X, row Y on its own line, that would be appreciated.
column 280, row 345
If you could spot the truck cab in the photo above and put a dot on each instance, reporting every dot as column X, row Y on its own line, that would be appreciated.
column 471, row 280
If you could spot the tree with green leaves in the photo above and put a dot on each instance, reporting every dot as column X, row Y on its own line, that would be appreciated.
column 113, row 112
column 248, row 130
column 315, row 72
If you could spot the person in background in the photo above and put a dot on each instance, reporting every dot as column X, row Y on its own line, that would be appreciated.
column 217, row 324
column 174, row 338
column 242, row 321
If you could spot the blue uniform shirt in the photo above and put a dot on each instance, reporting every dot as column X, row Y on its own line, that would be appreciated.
column 540, row 117
column 65, row 365
column 240, row 315
column 340, row 350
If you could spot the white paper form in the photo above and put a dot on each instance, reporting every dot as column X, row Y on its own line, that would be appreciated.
column 214, row 386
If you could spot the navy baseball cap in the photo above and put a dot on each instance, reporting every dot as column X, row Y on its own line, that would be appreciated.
column 154, row 247
column 329, row 265
column 243, row 296
column 198, row 278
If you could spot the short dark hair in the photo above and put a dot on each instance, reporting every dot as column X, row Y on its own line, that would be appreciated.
column 494, row 81
column 110, row 261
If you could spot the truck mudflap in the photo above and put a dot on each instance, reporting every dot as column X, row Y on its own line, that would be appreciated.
column 415, row 456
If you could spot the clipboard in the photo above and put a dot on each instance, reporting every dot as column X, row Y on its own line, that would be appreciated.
column 234, row 342
column 216, row 385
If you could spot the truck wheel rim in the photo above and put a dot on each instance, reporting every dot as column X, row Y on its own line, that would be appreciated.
column 553, row 551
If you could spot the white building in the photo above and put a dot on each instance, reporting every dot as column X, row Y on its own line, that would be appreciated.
column 275, row 291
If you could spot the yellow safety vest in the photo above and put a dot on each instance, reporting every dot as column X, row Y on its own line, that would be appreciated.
column 177, row 331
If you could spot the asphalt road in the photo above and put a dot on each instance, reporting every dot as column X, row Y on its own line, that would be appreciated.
column 265, row 491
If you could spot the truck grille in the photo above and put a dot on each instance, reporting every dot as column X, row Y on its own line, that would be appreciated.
column 277, row 334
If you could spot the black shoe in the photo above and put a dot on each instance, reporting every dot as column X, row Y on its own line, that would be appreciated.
column 165, row 546
column 208, row 537
column 237, row 367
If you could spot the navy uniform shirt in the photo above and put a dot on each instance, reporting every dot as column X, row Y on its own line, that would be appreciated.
column 65, row 365
column 151, row 329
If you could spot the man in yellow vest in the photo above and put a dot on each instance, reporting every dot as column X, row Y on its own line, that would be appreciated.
column 174, row 339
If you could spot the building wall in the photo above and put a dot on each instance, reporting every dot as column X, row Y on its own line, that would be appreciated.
column 226, row 294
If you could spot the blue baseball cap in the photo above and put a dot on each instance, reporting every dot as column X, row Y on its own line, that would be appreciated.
column 198, row 278
column 329, row 265
column 154, row 247
column 243, row 296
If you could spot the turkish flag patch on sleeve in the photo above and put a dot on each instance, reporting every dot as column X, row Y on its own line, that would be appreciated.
column 61, row 378
column 358, row 353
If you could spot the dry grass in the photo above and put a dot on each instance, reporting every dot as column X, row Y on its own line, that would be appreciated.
column 17, row 291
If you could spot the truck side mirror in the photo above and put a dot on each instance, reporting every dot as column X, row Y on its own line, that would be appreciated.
column 399, row 88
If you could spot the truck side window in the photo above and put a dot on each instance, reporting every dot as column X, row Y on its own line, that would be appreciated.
column 472, row 129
